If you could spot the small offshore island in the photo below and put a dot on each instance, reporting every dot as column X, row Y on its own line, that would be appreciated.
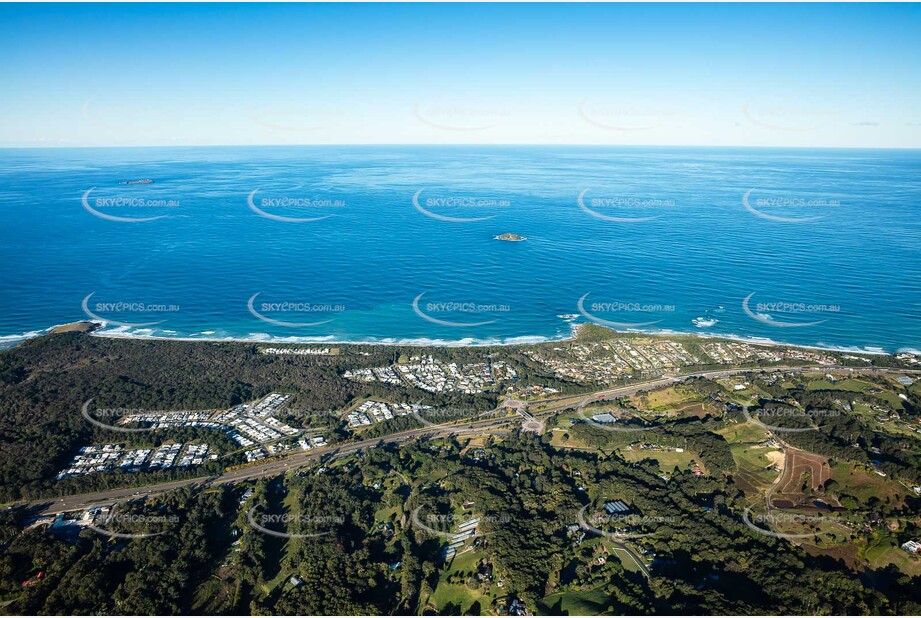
column 510, row 237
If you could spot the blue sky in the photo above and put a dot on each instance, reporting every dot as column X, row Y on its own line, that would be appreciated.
column 838, row 75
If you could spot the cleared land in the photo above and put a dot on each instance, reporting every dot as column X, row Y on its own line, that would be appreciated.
column 803, row 472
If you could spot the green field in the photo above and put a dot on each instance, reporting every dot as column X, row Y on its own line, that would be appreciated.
column 667, row 460
column 459, row 595
column 854, row 386
column 577, row 602
column 754, row 466
column 388, row 514
column 884, row 550
column 665, row 399
column 744, row 433
column 857, row 481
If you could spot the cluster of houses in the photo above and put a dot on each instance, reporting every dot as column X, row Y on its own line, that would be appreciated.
column 387, row 375
column 195, row 455
column 314, row 442
column 270, row 404
column 736, row 352
column 609, row 361
column 105, row 457
column 297, row 351
column 261, row 452
column 255, row 454
column 613, row 360
column 160, row 420
column 464, row 533
column 535, row 390
column 371, row 412
column 435, row 376
column 245, row 424
column 165, row 456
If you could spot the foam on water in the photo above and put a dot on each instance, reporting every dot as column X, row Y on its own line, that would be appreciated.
column 703, row 256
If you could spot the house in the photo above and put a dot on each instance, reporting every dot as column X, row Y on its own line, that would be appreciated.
column 517, row 608
column 616, row 507
column 605, row 419
column 912, row 547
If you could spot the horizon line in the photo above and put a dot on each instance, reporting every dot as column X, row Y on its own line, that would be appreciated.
column 456, row 144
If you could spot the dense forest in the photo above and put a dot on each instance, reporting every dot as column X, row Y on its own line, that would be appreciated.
column 344, row 535
column 45, row 381
column 369, row 558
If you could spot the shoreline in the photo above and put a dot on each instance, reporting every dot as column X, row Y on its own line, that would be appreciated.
column 469, row 342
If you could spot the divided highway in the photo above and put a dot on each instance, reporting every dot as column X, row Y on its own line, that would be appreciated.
column 492, row 425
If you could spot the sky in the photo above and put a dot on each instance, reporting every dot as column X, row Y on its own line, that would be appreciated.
column 801, row 75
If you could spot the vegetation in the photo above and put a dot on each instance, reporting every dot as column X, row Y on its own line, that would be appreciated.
column 366, row 532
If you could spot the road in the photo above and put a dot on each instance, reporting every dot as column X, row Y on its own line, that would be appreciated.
column 270, row 468
column 82, row 501
column 635, row 556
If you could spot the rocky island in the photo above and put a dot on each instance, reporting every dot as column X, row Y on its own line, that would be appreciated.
column 510, row 237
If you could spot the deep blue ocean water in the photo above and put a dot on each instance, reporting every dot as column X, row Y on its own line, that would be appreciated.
column 825, row 244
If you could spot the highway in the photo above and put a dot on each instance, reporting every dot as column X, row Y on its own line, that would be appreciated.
column 75, row 502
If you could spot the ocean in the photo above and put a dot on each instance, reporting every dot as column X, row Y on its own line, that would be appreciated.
column 396, row 244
